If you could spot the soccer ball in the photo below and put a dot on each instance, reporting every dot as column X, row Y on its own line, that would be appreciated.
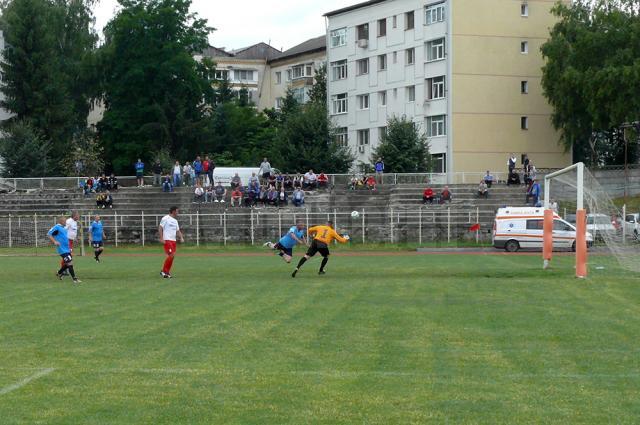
column 347, row 237
column 355, row 214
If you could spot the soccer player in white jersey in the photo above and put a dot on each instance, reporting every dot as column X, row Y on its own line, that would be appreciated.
column 168, row 231
column 71, row 225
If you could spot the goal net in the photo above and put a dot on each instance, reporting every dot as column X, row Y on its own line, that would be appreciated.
column 605, row 215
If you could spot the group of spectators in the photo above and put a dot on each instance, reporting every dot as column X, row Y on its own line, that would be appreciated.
column 102, row 187
column 430, row 197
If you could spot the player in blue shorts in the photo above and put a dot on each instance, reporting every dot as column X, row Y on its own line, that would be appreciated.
column 96, row 237
column 59, row 237
column 294, row 236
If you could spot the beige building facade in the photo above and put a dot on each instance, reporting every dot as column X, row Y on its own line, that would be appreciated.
column 467, row 72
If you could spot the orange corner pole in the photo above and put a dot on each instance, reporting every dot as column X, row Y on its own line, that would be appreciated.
column 581, row 243
column 547, row 241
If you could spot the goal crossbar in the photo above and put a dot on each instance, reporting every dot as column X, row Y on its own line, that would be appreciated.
column 579, row 167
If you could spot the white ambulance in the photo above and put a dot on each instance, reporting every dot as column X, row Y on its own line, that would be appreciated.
column 522, row 228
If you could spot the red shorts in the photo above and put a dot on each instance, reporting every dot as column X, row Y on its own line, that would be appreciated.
column 170, row 247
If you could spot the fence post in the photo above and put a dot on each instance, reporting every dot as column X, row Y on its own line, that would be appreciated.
column 391, row 225
column 420, row 226
column 624, row 224
column 142, row 217
column 253, row 240
column 10, row 242
column 115, row 220
column 198, row 228
column 335, row 218
column 363, row 228
column 41, row 184
column 224, row 226
column 477, row 222
column 449, row 225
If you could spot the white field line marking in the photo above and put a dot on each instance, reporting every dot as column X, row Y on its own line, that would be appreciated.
column 26, row 380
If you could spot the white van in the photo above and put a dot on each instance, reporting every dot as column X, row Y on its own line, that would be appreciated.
column 522, row 228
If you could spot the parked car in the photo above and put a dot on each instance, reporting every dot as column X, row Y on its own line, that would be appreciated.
column 598, row 224
column 632, row 224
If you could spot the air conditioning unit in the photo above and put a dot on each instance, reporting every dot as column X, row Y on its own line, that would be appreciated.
column 363, row 43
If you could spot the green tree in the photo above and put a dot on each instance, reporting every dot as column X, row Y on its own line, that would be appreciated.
column 318, row 93
column 153, row 87
column 25, row 153
column 403, row 148
column 85, row 150
column 592, row 76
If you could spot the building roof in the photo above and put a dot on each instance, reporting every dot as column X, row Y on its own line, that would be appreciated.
column 256, row 51
column 211, row 52
column 316, row 44
column 353, row 7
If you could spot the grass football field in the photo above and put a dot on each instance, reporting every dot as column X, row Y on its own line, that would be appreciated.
column 380, row 339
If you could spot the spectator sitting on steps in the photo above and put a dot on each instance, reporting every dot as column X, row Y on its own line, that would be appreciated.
column 220, row 193
column 282, row 198
column 427, row 196
column 514, row 178
column 100, row 200
column 209, row 195
column 198, row 193
column 272, row 196
column 108, row 200
column 253, row 181
column 483, row 190
column 371, row 183
column 236, row 197
column 488, row 179
column 298, row 197
column 113, row 182
column 323, row 180
column 236, row 181
column 310, row 180
column 445, row 195
column 166, row 183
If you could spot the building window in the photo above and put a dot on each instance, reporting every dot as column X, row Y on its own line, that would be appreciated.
column 339, row 70
column 339, row 102
column 382, row 27
column 437, row 126
column 524, row 123
column 308, row 70
column 222, row 75
column 339, row 37
column 363, row 137
column 299, row 95
column 288, row 75
column 382, row 62
column 363, row 102
column 243, row 75
column 382, row 98
column 435, row 88
column 524, row 87
column 395, row 21
column 382, row 132
column 411, row 93
column 439, row 163
column 342, row 136
column 297, row 72
column 362, row 66
column 278, row 77
column 524, row 47
column 363, row 32
column 409, row 21
column 395, row 57
column 434, row 13
column 279, row 102
column 435, row 50
column 410, row 55
column 524, row 10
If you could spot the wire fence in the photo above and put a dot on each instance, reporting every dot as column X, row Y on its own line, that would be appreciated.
column 27, row 235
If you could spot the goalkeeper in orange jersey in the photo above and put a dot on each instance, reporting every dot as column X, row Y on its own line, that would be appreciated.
column 322, row 237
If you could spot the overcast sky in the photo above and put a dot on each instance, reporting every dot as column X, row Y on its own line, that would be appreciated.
column 284, row 22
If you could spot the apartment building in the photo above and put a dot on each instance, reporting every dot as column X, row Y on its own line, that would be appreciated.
column 467, row 72
column 293, row 69
column 244, row 68
column 4, row 114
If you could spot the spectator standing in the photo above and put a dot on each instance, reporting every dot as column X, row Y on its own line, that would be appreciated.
column 298, row 197
column 197, row 168
column 220, row 193
column 157, row 173
column 427, row 196
column 236, row 197
column 186, row 174
column 177, row 174
column 272, row 180
column 212, row 167
column 253, row 181
column 553, row 206
column 445, row 195
column 205, row 172
column 379, row 170
column 265, row 169
column 512, row 162
column 310, row 180
column 140, row 172
column 533, row 193
column 488, row 179
column 525, row 162
column 483, row 189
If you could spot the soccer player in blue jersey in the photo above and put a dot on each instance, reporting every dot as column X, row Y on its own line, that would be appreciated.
column 294, row 236
column 58, row 236
column 96, row 237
